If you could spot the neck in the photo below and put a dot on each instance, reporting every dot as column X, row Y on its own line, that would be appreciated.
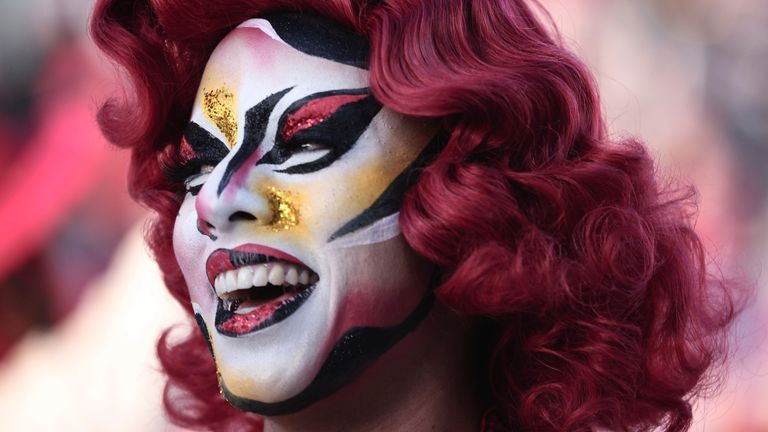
column 424, row 383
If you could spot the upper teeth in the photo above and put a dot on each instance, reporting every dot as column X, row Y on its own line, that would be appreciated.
column 261, row 274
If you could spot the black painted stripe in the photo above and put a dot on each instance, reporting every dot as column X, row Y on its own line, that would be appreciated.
column 206, row 146
column 321, row 37
column 256, row 120
column 390, row 201
column 355, row 351
column 204, row 330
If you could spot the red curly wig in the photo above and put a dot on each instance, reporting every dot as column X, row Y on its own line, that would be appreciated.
column 584, row 275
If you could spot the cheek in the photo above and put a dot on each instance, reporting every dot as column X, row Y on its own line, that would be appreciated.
column 382, row 283
column 188, row 247
column 342, row 194
column 356, row 182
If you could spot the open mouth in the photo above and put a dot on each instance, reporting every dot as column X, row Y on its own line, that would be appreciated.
column 257, row 287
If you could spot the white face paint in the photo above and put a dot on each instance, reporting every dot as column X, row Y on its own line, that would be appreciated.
column 324, row 275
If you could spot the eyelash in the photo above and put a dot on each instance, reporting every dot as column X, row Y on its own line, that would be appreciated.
column 188, row 172
column 204, row 169
column 312, row 146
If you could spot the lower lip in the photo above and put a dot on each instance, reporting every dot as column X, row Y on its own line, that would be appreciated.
column 263, row 316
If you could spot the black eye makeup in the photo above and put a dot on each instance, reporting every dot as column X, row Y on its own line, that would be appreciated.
column 195, row 182
column 312, row 133
column 317, row 130
column 200, row 152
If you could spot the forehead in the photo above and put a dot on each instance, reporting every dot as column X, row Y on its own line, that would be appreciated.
column 253, row 62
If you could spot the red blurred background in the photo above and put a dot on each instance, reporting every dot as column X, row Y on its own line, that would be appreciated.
column 81, row 303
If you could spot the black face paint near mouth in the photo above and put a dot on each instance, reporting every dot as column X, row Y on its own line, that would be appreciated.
column 243, row 309
column 355, row 351
column 204, row 330
column 229, row 323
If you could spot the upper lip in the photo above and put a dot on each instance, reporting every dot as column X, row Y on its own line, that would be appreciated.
column 222, row 260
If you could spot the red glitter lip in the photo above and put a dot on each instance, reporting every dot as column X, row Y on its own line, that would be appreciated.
column 220, row 260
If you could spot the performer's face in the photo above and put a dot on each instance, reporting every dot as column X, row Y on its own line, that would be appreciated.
column 288, row 236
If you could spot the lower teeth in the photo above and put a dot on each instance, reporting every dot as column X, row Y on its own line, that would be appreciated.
column 246, row 310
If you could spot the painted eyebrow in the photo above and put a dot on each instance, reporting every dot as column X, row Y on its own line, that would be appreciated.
column 198, row 148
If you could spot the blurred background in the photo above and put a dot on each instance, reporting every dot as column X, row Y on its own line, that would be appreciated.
column 81, row 303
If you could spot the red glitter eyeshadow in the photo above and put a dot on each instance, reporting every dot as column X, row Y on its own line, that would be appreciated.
column 187, row 152
column 315, row 112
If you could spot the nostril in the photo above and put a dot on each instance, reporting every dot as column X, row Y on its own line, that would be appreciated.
column 205, row 228
column 241, row 216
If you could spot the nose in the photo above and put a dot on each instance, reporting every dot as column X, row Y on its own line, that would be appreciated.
column 235, row 205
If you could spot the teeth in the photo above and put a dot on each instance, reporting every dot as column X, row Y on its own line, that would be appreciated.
column 260, row 276
column 230, row 281
column 244, row 278
column 292, row 276
column 219, row 284
column 276, row 275
column 245, row 310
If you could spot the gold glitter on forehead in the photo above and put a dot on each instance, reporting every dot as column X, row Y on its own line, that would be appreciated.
column 219, row 106
column 285, row 213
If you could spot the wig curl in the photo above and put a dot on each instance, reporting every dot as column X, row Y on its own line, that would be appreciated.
column 583, row 273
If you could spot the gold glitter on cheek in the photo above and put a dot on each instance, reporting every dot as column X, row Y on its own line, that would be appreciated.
column 219, row 106
column 285, row 212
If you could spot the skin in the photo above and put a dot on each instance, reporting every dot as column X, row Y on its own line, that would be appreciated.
column 368, row 277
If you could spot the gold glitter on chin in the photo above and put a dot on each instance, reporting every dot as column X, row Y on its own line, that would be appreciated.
column 219, row 106
column 285, row 212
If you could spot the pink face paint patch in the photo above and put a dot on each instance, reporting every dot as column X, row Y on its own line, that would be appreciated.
column 240, row 177
column 315, row 112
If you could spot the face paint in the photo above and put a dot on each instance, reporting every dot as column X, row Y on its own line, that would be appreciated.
column 219, row 106
column 309, row 114
column 327, row 121
column 256, row 120
column 289, row 241
column 284, row 208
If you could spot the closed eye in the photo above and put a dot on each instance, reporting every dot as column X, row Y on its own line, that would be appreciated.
column 313, row 147
column 317, row 130
column 307, row 153
column 195, row 182
column 199, row 152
